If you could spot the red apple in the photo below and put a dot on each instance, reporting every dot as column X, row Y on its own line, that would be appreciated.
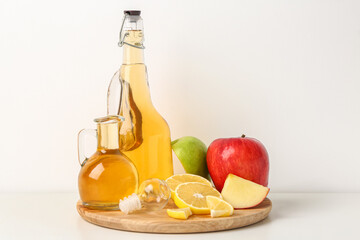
column 243, row 156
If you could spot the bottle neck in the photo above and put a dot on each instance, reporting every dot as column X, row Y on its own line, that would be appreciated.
column 108, row 135
column 135, row 90
column 132, row 55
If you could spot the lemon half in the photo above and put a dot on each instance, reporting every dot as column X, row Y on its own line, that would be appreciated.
column 177, row 179
column 193, row 195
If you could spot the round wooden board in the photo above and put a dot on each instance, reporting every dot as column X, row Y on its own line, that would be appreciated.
column 160, row 222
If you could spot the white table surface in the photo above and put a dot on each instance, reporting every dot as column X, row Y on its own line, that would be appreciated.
column 294, row 216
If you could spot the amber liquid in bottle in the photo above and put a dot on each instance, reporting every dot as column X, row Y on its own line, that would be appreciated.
column 144, row 135
column 107, row 176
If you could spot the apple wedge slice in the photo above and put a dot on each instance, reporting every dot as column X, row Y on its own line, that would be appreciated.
column 242, row 193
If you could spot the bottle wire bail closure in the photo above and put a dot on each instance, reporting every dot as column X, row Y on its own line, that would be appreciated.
column 122, row 36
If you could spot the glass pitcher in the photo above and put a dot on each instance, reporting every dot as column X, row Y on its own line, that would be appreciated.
column 144, row 135
column 108, row 175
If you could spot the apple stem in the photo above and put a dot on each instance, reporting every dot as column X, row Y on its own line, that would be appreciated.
column 243, row 135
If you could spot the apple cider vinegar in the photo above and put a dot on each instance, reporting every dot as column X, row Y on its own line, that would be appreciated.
column 144, row 135
column 107, row 176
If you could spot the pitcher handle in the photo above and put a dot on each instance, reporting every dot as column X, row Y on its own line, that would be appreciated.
column 82, row 158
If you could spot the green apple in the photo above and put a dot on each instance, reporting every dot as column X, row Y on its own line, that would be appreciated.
column 192, row 154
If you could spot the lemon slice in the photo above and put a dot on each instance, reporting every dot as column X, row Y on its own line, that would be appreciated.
column 219, row 207
column 180, row 213
column 193, row 195
column 177, row 179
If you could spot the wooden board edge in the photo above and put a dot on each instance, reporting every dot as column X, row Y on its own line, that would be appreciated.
column 170, row 229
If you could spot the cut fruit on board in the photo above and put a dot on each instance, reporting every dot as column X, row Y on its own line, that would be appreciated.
column 177, row 179
column 218, row 207
column 179, row 213
column 193, row 195
column 242, row 193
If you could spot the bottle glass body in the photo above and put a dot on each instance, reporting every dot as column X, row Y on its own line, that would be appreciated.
column 145, row 135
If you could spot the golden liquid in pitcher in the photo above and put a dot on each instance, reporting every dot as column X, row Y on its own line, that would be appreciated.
column 144, row 135
column 107, row 176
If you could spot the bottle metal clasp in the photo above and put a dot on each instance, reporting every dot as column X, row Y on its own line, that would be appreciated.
column 122, row 36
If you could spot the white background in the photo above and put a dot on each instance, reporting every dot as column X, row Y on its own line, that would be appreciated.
column 284, row 72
